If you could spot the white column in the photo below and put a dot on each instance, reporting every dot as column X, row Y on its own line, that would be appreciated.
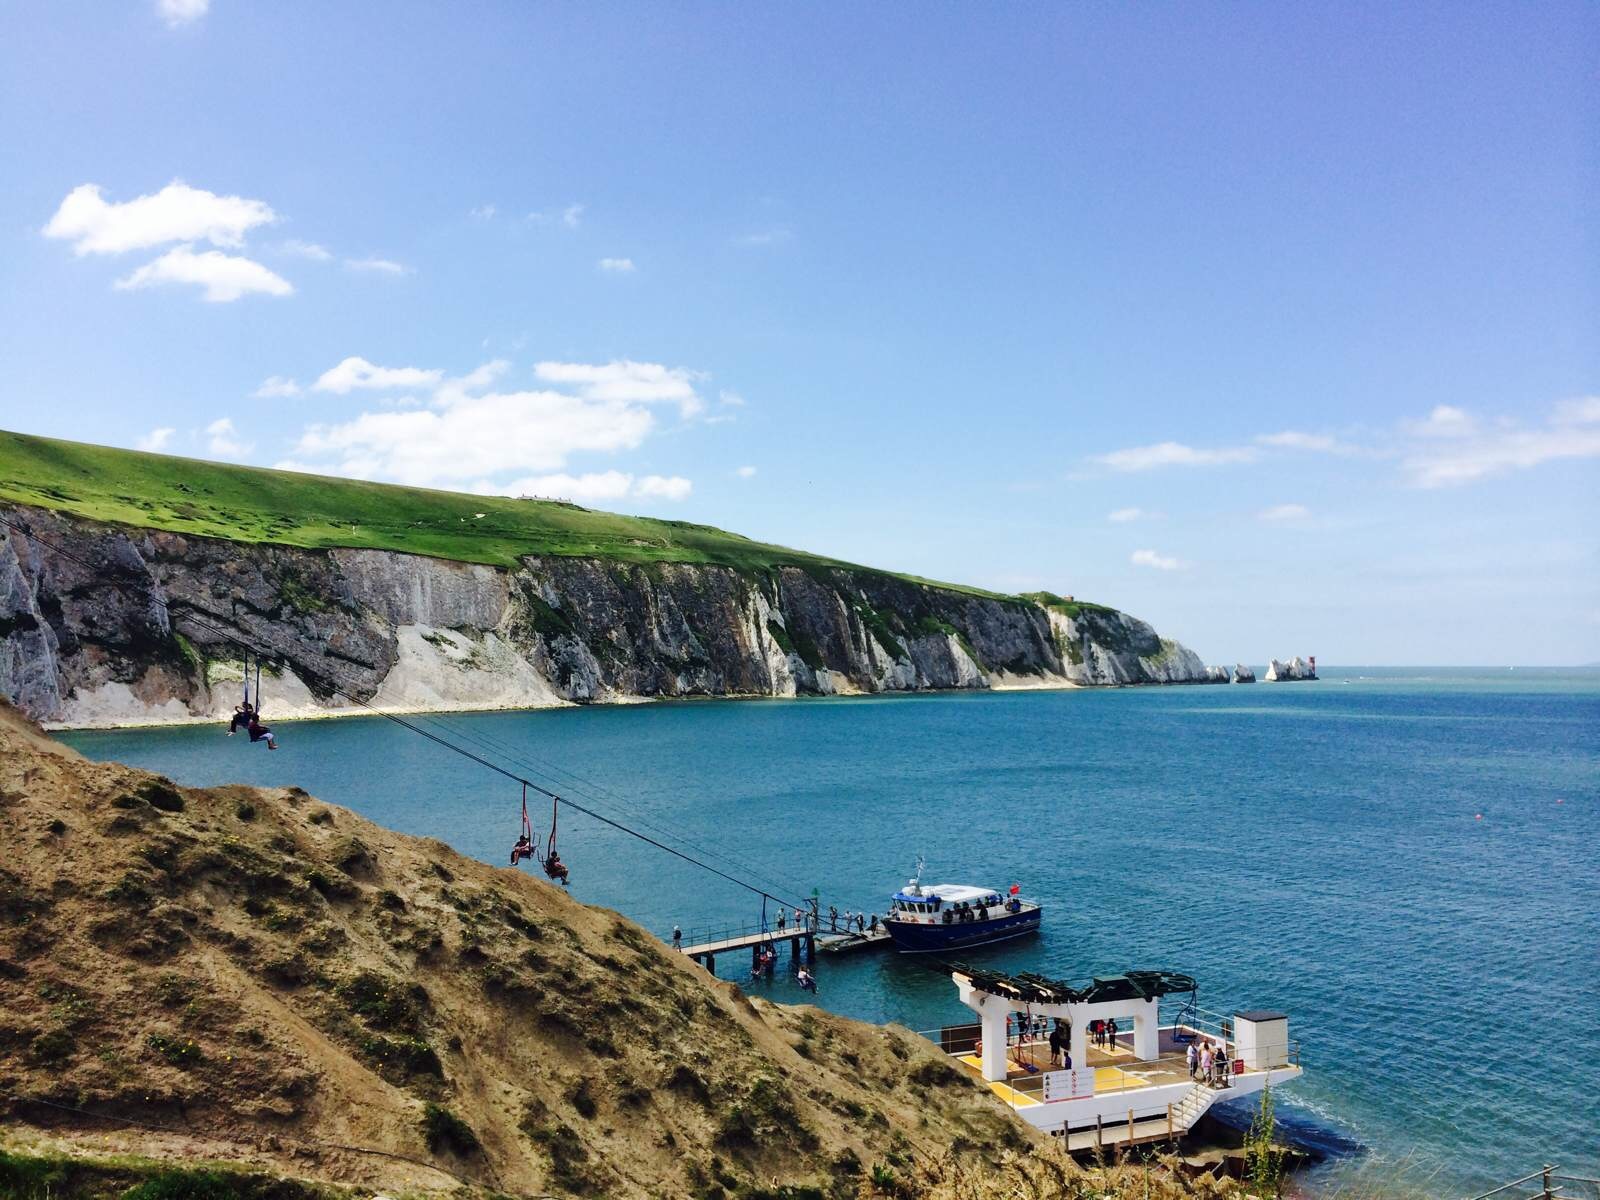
column 1080, row 1039
column 1147, row 1031
column 993, row 1015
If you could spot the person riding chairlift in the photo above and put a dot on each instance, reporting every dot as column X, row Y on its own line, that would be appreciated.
column 259, row 732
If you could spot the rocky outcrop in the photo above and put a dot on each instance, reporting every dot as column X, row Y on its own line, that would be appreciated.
column 1295, row 668
column 1243, row 674
column 102, row 625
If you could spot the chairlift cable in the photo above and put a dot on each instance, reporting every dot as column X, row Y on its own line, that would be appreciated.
column 446, row 743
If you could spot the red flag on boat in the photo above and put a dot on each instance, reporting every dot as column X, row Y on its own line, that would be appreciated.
column 1015, row 888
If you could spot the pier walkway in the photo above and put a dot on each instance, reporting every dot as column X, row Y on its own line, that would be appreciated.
column 806, row 939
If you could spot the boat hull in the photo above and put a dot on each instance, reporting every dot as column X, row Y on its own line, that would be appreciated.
column 916, row 938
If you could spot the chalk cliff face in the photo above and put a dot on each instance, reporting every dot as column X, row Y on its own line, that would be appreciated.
column 105, row 631
column 1295, row 668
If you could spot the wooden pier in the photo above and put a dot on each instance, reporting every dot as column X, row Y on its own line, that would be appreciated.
column 801, row 941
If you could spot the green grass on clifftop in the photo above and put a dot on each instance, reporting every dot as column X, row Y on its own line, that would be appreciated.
column 249, row 504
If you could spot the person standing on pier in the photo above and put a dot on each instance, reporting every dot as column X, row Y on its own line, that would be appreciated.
column 1193, row 1056
column 783, row 918
column 677, row 939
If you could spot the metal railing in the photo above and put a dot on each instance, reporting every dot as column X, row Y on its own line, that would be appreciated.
column 1548, row 1184
column 723, row 933
column 958, row 1040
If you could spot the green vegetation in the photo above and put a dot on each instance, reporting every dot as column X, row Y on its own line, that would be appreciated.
column 25, row 1176
column 1264, row 1160
column 1069, row 608
column 446, row 1131
column 249, row 504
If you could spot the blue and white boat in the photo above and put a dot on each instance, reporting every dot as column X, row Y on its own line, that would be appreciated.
column 927, row 919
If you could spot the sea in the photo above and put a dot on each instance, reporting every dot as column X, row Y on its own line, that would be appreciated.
column 1404, row 860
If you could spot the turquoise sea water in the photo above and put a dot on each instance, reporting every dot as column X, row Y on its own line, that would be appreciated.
column 1315, row 847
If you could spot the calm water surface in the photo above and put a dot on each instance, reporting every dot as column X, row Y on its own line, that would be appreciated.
column 1315, row 847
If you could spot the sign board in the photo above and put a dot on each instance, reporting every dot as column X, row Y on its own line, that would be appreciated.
column 1068, row 1085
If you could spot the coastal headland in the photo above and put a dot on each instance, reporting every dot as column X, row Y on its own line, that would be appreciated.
column 130, row 584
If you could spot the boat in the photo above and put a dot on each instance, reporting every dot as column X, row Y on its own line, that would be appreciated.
column 930, row 918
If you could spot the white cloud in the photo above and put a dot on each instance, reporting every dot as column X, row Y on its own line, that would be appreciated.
column 1585, row 410
column 1477, row 458
column 730, row 399
column 1294, row 439
column 1174, row 454
column 1284, row 512
column 182, row 12
column 746, row 472
column 471, row 437
column 223, row 439
column 156, row 439
column 377, row 266
column 1457, row 449
column 306, row 250
column 621, row 266
column 1149, row 558
column 1122, row 515
column 571, row 215
column 275, row 387
column 595, row 487
column 589, row 488
column 177, row 213
column 466, row 434
column 224, row 277
column 484, row 212
column 624, row 380
column 356, row 372
column 663, row 487
column 1445, row 421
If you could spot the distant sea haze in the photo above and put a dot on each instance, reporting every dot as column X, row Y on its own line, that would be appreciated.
column 1402, row 859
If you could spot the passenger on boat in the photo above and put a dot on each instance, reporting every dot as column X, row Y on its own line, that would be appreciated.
column 872, row 926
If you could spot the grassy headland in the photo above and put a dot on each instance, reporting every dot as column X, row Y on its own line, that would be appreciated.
column 251, row 504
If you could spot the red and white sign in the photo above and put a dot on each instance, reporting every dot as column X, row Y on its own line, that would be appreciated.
column 1068, row 1085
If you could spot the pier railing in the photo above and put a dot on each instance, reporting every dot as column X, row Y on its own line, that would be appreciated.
column 722, row 933
column 1547, row 1183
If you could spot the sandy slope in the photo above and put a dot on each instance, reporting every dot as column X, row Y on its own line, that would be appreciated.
column 274, row 978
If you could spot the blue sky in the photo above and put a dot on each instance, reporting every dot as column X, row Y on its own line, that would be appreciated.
column 1274, row 325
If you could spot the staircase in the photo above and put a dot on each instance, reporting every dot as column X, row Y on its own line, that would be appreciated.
column 1192, row 1107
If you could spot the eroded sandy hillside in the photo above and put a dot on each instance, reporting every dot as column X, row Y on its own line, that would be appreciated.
column 284, row 982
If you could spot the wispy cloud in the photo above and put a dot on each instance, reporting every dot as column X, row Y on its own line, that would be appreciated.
column 1149, row 558
column 356, row 373
column 221, row 277
column 484, row 212
column 746, row 472
column 1175, row 454
column 306, row 250
column 572, row 215
column 377, row 266
column 1294, row 439
column 1457, row 448
column 182, row 12
column 627, row 381
column 276, row 387
column 1123, row 515
column 223, row 439
column 617, row 266
column 1284, row 512
column 155, row 440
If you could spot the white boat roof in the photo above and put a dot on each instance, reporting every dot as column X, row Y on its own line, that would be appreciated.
column 955, row 893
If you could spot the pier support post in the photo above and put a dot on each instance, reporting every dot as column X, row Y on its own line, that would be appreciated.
column 993, row 1018
column 811, row 948
column 1147, row 1032
column 711, row 963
